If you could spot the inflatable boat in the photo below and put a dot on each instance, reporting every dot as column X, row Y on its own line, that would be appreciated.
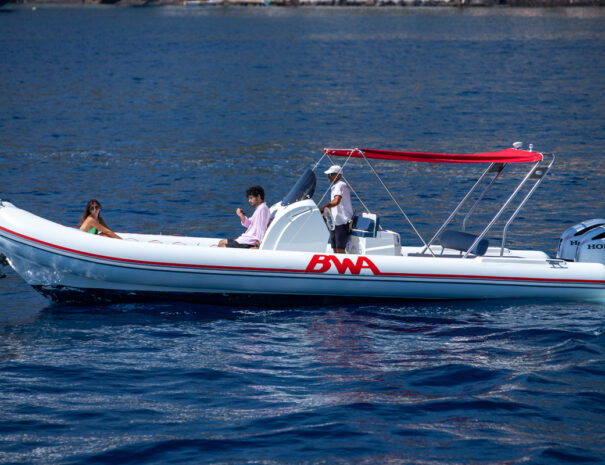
column 294, row 265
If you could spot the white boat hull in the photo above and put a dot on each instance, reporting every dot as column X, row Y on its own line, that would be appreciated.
column 67, row 264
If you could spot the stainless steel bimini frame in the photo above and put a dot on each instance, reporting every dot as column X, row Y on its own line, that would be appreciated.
column 535, row 173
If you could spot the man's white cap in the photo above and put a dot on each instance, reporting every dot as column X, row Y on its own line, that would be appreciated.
column 334, row 169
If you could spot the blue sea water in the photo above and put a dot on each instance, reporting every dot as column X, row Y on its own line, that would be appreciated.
column 166, row 115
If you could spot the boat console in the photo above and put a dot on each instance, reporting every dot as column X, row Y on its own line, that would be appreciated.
column 297, row 227
column 296, row 223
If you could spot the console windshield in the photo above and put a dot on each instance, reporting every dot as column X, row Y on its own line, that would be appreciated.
column 303, row 189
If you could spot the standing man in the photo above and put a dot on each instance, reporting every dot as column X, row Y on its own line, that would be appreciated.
column 340, row 207
column 256, row 225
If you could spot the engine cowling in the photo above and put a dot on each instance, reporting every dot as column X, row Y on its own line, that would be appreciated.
column 572, row 237
column 592, row 247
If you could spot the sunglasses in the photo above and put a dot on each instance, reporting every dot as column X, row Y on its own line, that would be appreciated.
column 95, row 207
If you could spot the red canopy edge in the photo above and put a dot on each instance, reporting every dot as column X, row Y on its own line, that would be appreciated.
column 503, row 156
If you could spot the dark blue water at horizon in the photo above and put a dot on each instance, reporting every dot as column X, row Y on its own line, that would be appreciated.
column 167, row 115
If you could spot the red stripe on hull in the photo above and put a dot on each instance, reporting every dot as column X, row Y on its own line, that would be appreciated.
column 289, row 270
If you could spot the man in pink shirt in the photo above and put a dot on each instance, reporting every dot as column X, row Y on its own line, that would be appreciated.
column 256, row 225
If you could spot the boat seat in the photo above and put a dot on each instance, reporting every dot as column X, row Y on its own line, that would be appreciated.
column 462, row 241
column 365, row 225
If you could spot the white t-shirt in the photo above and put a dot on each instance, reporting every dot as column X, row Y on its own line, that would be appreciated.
column 343, row 212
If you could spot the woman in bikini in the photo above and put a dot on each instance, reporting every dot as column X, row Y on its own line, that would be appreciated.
column 93, row 223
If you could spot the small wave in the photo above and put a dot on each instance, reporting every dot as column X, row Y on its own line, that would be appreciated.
column 569, row 455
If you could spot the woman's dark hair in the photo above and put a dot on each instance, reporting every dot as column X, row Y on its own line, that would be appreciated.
column 86, row 213
column 256, row 190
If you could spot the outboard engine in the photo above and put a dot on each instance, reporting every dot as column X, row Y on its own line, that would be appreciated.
column 572, row 237
column 592, row 247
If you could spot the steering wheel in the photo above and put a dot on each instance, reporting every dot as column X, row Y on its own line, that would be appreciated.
column 328, row 219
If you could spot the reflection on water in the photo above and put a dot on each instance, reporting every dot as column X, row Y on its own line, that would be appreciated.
column 307, row 383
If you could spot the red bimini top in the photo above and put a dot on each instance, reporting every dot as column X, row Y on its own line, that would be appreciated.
column 503, row 156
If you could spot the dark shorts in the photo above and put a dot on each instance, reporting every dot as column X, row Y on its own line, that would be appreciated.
column 236, row 245
column 338, row 237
